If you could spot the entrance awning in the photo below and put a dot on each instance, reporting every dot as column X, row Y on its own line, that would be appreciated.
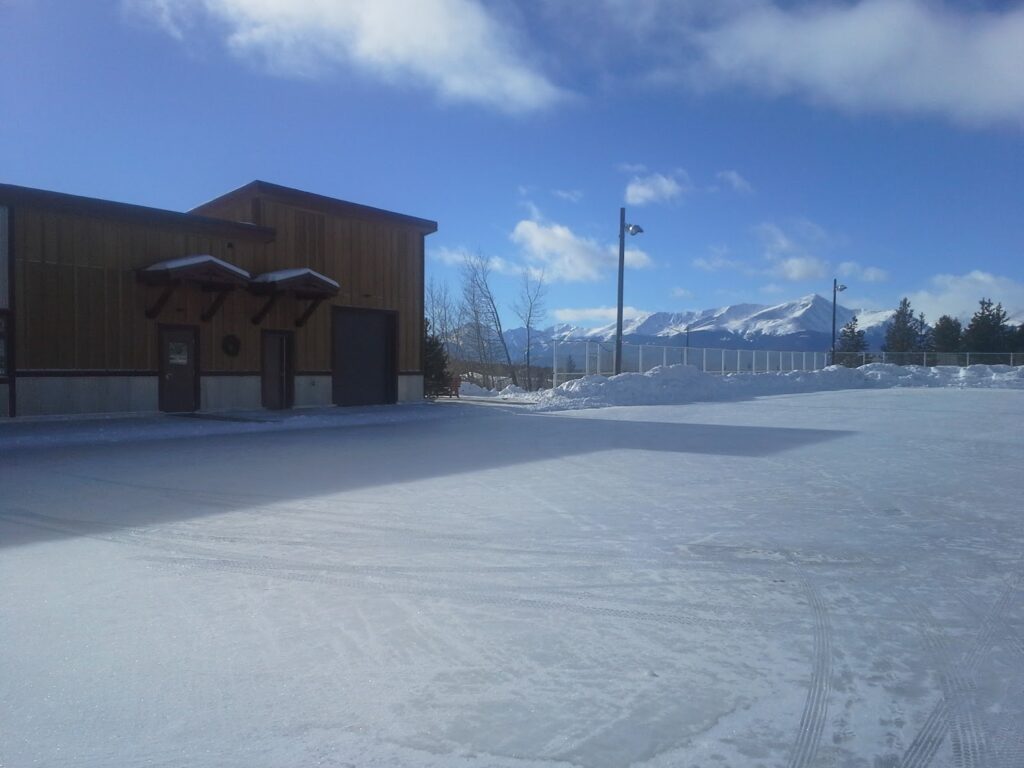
column 211, row 273
column 303, row 282
column 205, row 270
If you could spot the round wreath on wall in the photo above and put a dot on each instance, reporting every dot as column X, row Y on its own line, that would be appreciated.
column 231, row 345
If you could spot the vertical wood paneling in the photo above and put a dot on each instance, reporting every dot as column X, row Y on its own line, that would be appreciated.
column 80, row 305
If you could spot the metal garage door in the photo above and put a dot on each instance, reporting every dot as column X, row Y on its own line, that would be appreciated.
column 363, row 360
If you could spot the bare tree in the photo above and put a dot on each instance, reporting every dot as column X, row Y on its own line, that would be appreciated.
column 442, row 312
column 479, row 303
column 530, row 309
column 474, row 337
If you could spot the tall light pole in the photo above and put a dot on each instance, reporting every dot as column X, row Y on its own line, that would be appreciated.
column 633, row 229
column 836, row 288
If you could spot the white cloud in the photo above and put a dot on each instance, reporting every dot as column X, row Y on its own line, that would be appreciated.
column 569, row 257
column 790, row 255
column 595, row 314
column 735, row 181
column 571, row 195
column 456, row 47
column 772, row 288
column 682, row 293
column 654, row 188
column 865, row 274
column 453, row 257
column 718, row 260
column 958, row 295
column 902, row 56
column 456, row 257
column 798, row 268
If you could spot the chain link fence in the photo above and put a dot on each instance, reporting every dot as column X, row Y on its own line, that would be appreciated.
column 575, row 359
column 931, row 359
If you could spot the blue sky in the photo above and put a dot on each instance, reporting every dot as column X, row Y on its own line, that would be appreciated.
column 764, row 147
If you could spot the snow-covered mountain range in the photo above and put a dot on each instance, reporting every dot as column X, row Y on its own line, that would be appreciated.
column 802, row 324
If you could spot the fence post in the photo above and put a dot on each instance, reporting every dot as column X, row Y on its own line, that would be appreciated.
column 723, row 361
column 640, row 360
column 686, row 355
column 924, row 359
column 803, row 362
column 664, row 357
column 704, row 361
column 968, row 359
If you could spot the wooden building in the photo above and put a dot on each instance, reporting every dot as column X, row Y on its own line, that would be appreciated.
column 264, row 297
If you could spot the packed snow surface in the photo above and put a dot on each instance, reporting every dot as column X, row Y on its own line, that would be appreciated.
column 829, row 578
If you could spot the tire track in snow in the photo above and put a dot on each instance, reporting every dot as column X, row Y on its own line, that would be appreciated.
column 477, row 597
column 953, row 714
column 812, row 721
column 380, row 578
column 966, row 735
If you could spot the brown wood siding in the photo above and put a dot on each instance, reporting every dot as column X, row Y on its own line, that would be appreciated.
column 81, row 307
column 378, row 265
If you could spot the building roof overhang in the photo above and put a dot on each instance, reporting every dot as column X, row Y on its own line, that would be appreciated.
column 11, row 194
column 313, row 201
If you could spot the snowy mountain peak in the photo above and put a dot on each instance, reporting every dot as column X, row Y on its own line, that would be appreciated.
column 803, row 323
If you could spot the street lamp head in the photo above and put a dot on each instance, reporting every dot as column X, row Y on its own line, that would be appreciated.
column 634, row 229
column 840, row 287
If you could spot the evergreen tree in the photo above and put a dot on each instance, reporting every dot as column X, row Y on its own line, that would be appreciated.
column 987, row 331
column 946, row 335
column 1017, row 339
column 902, row 336
column 852, row 345
column 435, row 363
column 925, row 337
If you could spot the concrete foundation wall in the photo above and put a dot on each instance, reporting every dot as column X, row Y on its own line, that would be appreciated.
column 410, row 388
column 312, row 390
column 222, row 393
column 47, row 395
column 53, row 395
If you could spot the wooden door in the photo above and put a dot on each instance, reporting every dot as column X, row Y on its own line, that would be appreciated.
column 278, row 370
column 364, row 357
column 179, row 369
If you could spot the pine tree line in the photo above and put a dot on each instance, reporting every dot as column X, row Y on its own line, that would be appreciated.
column 908, row 338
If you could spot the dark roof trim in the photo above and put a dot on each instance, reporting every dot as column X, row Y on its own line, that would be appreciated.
column 61, row 202
column 317, row 202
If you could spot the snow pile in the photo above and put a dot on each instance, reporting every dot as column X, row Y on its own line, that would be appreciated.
column 685, row 384
column 469, row 389
column 511, row 392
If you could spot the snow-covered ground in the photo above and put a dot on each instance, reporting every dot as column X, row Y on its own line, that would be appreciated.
column 829, row 578
column 676, row 384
